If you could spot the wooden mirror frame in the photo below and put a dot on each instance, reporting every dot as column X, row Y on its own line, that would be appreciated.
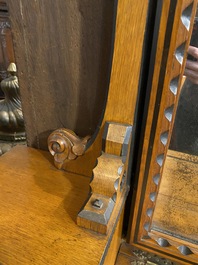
column 174, row 23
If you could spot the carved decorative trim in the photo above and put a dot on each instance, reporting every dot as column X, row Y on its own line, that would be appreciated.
column 65, row 145
column 168, row 102
column 165, row 126
column 108, row 187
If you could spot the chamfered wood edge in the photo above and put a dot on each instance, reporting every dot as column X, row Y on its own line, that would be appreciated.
column 109, row 181
column 42, row 159
column 142, row 215
column 117, row 109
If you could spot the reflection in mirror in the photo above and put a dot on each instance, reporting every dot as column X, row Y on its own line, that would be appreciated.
column 176, row 210
column 185, row 137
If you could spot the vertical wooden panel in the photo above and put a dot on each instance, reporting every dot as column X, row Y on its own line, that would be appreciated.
column 63, row 51
column 125, row 73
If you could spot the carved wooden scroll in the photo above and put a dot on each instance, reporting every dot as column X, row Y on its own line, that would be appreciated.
column 108, row 187
column 65, row 145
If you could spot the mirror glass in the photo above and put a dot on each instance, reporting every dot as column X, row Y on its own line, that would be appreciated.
column 176, row 210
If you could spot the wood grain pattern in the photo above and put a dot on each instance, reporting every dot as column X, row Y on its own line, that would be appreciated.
column 126, row 61
column 50, row 68
column 109, row 185
column 106, row 172
column 114, row 138
column 63, row 51
column 125, row 256
column 179, row 244
column 124, row 260
column 123, row 89
column 173, row 40
column 39, row 205
column 122, row 96
column 115, row 243
column 124, row 75
column 64, row 145
column 155, row 80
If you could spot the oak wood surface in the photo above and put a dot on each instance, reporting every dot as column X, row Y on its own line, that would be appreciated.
column 124, row 260
column 158, row 62
column 125, row 70
column 125, row 256
column 109, row 184
column 39, row 75
column 173, row 35
column 38, row 209
column 124, row 81
column 115, row 243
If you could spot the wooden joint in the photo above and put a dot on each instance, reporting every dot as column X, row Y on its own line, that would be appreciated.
column 65, row 145
column 109, row 179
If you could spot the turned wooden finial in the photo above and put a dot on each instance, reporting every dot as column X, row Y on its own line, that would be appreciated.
column 65, row 145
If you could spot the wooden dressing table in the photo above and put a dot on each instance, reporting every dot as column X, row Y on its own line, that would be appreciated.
column 101, row 69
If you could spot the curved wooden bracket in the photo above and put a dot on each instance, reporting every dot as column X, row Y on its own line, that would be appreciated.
column 65, row 145
column 109, row 184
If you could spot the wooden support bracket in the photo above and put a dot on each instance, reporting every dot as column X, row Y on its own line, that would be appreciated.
column 108, row 187
column 65, row 145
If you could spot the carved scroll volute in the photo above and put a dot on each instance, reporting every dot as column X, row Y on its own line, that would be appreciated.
column 65, row 145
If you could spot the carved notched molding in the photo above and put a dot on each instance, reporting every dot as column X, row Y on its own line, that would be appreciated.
column 164, row 127
column 65, row 145
column 108, row 186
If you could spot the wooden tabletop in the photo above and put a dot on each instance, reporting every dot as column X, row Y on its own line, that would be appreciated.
column 38, row 209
